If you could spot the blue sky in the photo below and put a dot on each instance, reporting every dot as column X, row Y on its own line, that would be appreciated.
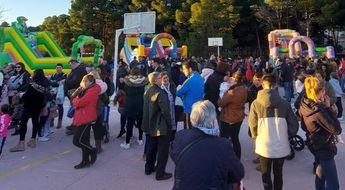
column 34, row 10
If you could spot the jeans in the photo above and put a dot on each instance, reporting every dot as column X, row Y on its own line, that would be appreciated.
column 342, row 82
column 339, row 107
column 232, row 131
column 326, row 177
column 60, row 110
column 287, row 91
column 266, row 166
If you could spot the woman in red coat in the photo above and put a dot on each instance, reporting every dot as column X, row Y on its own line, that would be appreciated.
column 84, row 103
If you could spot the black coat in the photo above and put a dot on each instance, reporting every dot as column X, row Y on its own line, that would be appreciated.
column 73, row 79
column 322, row 126
column 134, row 97
column 212, row 88
column 35, row 98
column 209, row 164
column 56, row 78
column 157, row 117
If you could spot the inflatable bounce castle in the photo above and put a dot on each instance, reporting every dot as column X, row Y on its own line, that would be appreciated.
column 150, row 45
column 289, row 42
column 38, row 50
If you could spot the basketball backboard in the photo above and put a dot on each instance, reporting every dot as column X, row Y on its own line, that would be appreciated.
column 215, row 41
column 140, row 22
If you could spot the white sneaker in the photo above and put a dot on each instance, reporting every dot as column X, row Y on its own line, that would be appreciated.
column 140, row 142
column 124, row 145
column 340, row 118
column 43, row 139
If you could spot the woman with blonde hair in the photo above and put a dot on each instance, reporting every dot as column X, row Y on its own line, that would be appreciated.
column 322, row 127
column 85, row 115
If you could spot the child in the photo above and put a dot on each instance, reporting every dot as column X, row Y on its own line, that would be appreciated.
column 4, row 123
column 120, row 99
column 338, row 93
column 16, row 115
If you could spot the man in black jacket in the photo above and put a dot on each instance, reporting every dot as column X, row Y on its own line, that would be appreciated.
column 157, row 123
column 212, row 86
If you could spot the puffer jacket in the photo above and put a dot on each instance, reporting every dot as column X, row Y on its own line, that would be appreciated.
column 85, row 106
column 232, row 104
column 271, row 122
column 134, row 88
column 322, row 126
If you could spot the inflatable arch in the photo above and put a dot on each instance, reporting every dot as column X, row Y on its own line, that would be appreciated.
column 305, row 39
column 156, row 48
column 78, row 47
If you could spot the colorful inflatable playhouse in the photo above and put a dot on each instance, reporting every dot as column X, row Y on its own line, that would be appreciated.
column 149, row 45
column 37, row 50
column 288, row 43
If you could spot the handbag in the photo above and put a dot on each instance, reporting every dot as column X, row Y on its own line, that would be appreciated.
column 70, row 112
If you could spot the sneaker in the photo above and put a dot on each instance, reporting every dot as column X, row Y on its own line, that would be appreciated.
column 124, row 145
column 340, row 118
column 43, row 139
column 140, row 142
column 32, row 143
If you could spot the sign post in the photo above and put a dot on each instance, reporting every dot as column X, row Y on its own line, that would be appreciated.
column 215, row 42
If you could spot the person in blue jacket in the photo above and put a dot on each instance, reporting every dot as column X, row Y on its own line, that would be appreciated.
column 192, row 90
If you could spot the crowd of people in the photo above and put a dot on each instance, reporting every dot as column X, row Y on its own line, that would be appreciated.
column 207, row 95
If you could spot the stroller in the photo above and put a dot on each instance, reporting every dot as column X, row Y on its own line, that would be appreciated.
column 296, row 143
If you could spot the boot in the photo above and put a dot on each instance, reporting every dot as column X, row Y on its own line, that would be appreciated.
column 19, row 147
column 98, row 146
column 82, row 164
column 59, row 125
column 32, row 143
column 93, row 156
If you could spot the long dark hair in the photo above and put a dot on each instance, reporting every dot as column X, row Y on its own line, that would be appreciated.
column 38, row 75
column 22, row 70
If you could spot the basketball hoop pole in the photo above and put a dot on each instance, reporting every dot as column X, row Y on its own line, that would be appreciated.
column 218, row 51
column 116, row 53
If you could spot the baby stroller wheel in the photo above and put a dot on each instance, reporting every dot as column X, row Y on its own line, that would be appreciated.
column 297, row 142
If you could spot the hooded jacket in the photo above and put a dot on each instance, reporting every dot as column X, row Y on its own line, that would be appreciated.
column 322, row 125
column 271, row 122
column 134, row 88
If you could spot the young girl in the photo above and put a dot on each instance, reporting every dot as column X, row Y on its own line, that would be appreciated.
column 16, row 114
column 5, row 121
column 120, row 99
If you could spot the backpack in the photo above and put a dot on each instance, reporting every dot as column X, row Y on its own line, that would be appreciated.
column 14, row 82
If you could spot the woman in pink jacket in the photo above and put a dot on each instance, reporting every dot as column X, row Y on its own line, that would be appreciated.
column 85, row 103
column 5, row 121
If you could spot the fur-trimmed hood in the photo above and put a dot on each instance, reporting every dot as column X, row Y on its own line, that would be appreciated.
column 135, row 80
